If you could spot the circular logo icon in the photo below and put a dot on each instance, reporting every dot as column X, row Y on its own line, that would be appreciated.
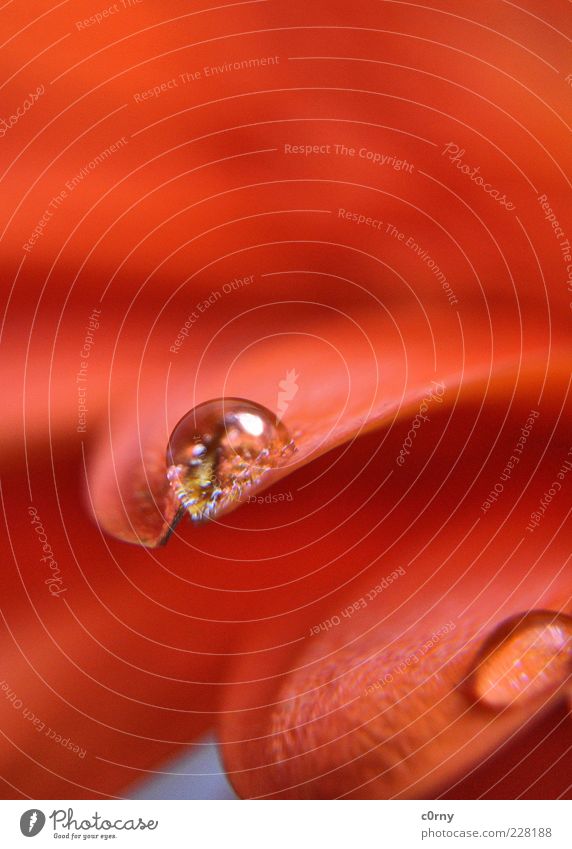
column 32, row 822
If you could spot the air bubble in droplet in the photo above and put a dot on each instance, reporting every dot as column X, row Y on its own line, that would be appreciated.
column 526, row 657
column 220, row 451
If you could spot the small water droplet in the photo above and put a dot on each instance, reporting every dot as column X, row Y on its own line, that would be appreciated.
column 220, row 451
column 525, row 657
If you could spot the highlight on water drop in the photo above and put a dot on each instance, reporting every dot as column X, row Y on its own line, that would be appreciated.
column 526, row 657
column 220, row 451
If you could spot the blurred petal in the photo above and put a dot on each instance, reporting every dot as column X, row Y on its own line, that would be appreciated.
column 376, row 701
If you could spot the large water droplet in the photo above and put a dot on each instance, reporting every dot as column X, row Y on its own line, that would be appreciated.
column 220, row 451
column 527, row 656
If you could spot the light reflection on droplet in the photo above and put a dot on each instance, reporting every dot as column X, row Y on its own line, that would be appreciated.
column 527, row 656
column 254, row 425
column 222, row 449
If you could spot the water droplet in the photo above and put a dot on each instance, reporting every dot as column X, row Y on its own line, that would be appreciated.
column 527, row 656
column 220, row 451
